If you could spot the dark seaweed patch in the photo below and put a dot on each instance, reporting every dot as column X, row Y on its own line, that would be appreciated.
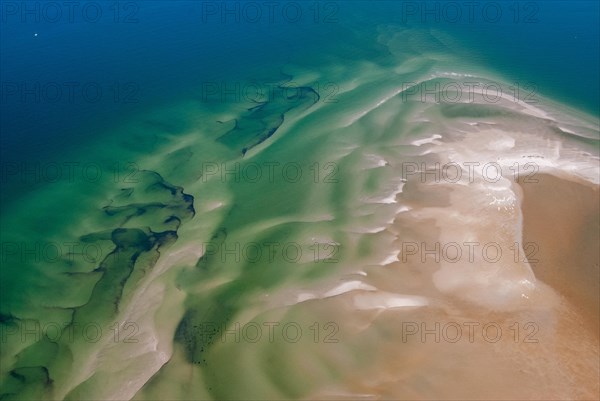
column 262, row 121
column 137, row 247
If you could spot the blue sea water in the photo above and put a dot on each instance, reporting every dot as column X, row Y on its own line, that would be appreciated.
column 155, row 52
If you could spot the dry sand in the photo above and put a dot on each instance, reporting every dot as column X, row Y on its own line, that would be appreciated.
column 561, row 217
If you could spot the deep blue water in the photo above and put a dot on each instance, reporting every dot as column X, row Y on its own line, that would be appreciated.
column 154, row 53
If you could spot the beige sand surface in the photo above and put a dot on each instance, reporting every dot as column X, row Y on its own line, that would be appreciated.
column 562, row 218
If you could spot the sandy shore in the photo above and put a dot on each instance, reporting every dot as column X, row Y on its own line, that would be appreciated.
column 561, row 217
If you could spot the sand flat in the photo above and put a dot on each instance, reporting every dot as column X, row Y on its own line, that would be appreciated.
column 561, row 216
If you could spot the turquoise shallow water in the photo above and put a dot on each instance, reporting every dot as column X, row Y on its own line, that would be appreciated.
column 237, row 173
